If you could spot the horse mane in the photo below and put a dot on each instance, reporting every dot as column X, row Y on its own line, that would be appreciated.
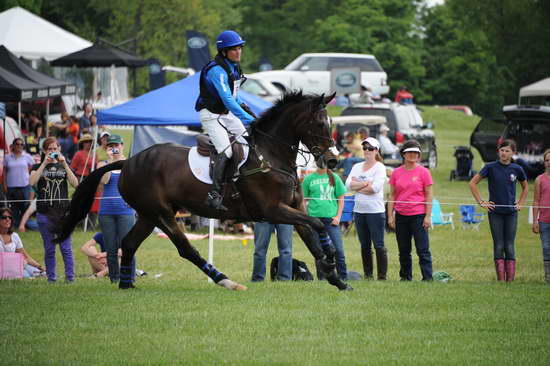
column 288, row 99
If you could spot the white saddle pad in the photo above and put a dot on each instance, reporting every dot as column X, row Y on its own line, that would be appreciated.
column 199, row 164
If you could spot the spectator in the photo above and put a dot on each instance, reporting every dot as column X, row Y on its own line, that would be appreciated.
column 411, row 199
column 343, row 100
column 262, row 235
column 17, row 166
column 26, row 221
column 116, row 218
column 502, row 176
column 102, row 150
column 51, row 178
column 10, row 242
column 365, row 95
column 83, row 160
column 84, row 122
column 73, row 131
column 367, row 179
column 353, row 144
column 324, row 192
column 541, row 213
column 97, row 258
column 387, row 148
column 404, row 96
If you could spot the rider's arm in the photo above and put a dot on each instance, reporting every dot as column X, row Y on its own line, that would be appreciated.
column 218, row 77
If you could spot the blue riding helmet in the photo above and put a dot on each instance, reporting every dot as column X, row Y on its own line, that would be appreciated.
column 228, row 39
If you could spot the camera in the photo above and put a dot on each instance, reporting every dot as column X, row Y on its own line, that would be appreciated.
column 53, row 155
column 116, row 151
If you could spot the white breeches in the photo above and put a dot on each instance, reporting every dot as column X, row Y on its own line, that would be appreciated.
column 213, row 124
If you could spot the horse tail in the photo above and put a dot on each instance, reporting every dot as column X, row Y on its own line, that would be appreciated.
column 82, row 201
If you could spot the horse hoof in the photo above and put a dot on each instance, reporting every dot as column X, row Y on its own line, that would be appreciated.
column 347, row 288
column 230, row 285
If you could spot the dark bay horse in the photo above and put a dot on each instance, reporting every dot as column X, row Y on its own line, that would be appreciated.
column 158, row 182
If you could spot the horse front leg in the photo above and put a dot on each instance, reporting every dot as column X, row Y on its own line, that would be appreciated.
column 320, row 245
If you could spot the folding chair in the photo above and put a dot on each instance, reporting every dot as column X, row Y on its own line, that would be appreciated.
column 439, row 218
column 346, row 221
column 470, row 218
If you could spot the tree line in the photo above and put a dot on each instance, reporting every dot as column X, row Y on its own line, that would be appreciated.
column 477, row 53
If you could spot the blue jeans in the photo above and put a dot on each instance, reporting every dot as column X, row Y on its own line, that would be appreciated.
column 407, row 228
column 45, row 226
column 503, row 230
column 370, row 229
column 262, row 236
column 20, row 194
column 335, row 235
column 114, row 229
column 545, row 239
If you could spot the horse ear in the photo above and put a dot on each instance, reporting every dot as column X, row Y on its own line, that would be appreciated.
column 329, row 97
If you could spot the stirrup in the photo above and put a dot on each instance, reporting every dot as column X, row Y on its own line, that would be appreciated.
column 214, row 199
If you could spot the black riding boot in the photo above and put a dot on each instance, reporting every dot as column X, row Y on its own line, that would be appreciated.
column 366, row 255
column 381, row 262
column 214, row 198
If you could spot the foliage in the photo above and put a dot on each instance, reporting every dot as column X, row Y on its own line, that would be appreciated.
column 470, row 52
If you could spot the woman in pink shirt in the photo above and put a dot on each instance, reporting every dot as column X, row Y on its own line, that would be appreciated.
column 410, row 211
column 541, row 213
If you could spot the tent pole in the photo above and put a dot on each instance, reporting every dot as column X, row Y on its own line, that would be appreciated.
column 19, row 117
column 47, row 117
column 5, row 204
column 92, row 167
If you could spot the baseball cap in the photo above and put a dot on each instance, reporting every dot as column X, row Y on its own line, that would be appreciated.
column 104, row 133
column 114, row 139
column 372, row 142
column 384, row 128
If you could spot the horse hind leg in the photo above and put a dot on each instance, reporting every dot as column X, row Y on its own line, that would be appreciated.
column 170, row 227
column 130, row 244
column 324, row 254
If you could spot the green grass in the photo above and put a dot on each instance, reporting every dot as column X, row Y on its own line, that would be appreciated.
column 179, row 318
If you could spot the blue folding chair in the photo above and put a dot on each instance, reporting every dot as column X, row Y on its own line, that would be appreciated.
column 346, row 221
column 470, row 218
column 439, row 218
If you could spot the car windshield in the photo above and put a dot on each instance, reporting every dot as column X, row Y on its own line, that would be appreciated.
column 323, row 63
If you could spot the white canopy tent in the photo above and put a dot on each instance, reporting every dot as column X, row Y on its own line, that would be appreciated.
column 29, row 36
column 539, row 89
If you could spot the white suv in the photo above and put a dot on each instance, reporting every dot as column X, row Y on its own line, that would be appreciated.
column 311, row 72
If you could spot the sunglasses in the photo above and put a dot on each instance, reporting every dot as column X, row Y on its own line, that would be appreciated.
column 6, row 217
column 369, row 148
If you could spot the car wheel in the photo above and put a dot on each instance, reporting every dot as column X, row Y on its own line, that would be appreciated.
column 432, row 159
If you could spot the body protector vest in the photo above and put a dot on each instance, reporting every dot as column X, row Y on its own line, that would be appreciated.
column 208, row 97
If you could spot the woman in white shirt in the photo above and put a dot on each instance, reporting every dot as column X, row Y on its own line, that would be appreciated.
column 367, row 179
column 10, row 242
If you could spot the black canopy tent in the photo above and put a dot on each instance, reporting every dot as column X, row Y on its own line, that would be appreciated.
column 101, row 54
column 14, row 65
column 14, row 88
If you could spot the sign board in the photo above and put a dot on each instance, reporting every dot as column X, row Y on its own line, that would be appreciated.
column 345, row 80
column 2, row 110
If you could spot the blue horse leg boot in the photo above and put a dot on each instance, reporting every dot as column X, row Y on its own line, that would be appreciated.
column 213, row 273
column 126, row 278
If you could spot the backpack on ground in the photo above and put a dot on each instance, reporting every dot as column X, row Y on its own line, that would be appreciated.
column 300, row 272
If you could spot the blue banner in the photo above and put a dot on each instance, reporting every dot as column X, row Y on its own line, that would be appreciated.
column 197, row 50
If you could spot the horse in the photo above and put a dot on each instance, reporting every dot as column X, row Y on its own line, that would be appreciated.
column 158, row 181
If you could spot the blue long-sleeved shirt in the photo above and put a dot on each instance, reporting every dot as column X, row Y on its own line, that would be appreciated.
column 217, row 77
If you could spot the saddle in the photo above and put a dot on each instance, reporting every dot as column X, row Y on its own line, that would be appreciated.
column 205, row 147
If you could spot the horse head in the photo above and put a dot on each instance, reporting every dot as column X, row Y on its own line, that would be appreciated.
column 315, row 132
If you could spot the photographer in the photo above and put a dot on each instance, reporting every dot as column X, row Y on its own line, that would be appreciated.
column 116, row 218
column 50, row 178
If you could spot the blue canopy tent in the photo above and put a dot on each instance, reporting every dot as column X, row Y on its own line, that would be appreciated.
column 171, row 105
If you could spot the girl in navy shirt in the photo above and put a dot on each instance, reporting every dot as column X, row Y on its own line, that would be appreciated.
column 502, row 176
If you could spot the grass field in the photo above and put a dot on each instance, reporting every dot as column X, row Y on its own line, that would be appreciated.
column 179, row 318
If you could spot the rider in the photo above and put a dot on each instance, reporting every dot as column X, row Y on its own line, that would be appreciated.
column 222, row 112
